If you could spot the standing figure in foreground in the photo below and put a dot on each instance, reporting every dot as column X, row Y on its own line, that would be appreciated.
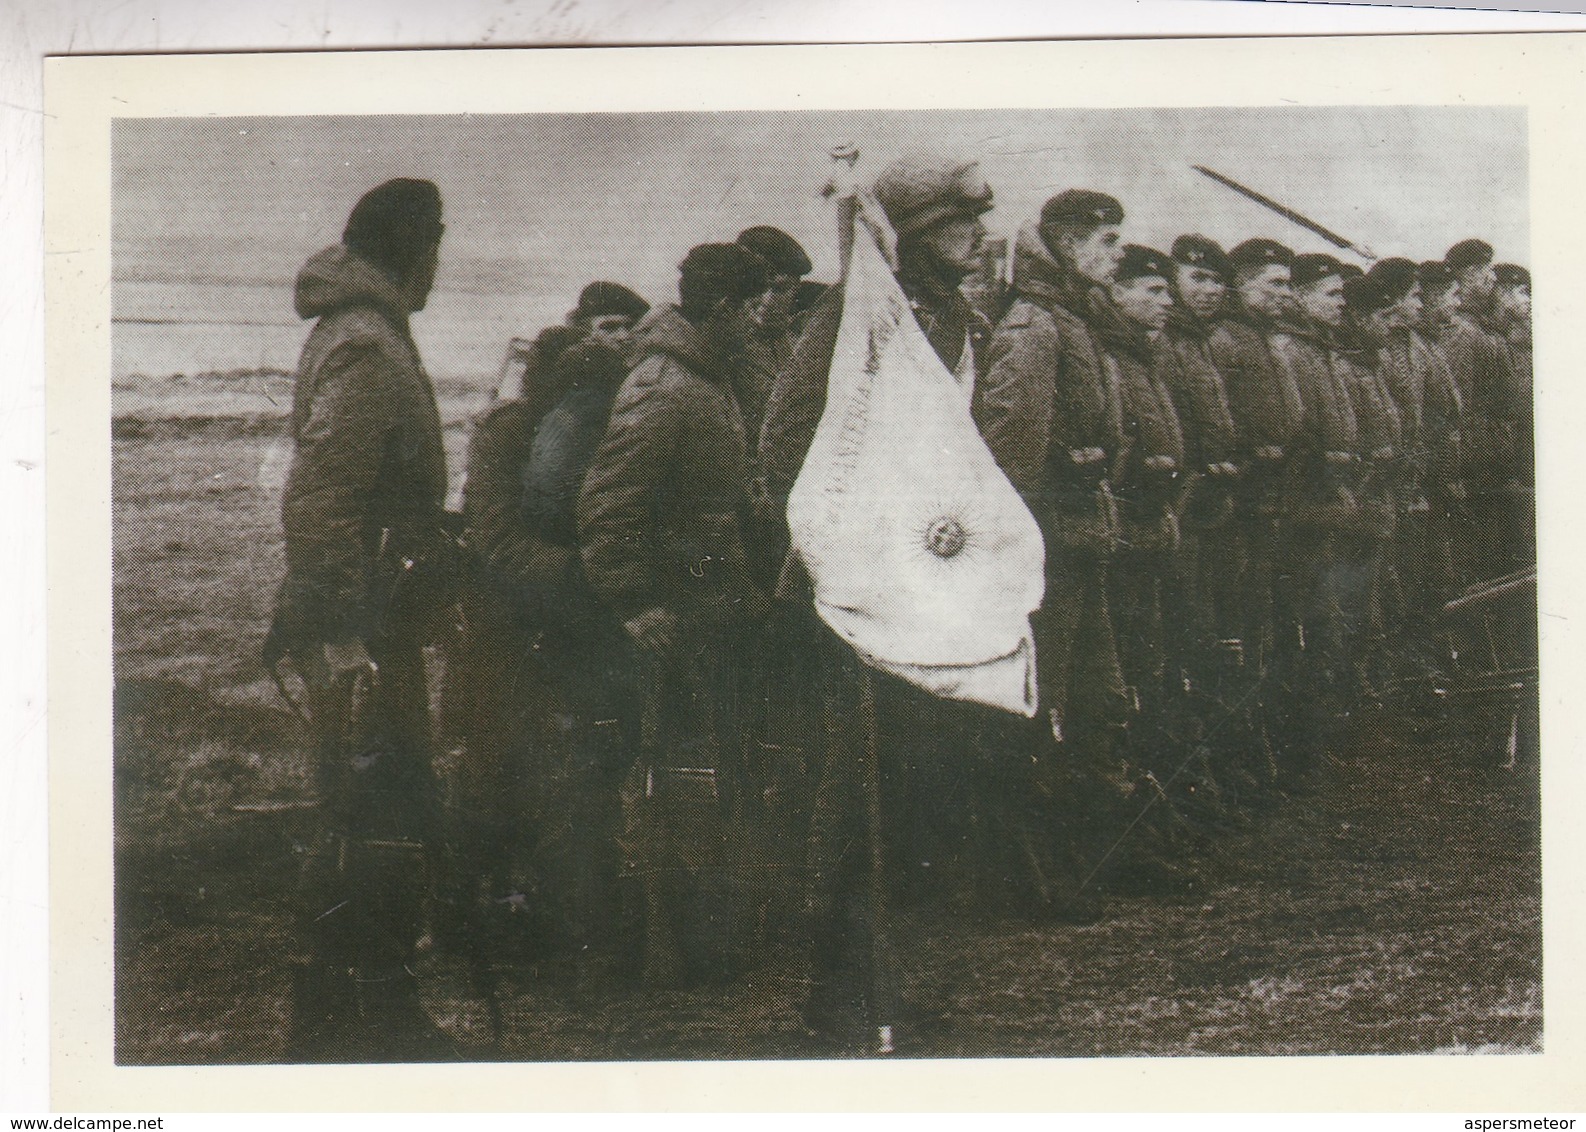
column 952, row 788
column 661, row 521
column 362, row 594
column 1053, row 418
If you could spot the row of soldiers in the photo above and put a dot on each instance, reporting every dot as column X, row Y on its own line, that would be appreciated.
column 1252, row 469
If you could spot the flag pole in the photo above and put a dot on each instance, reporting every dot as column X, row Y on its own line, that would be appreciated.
column 882, row 997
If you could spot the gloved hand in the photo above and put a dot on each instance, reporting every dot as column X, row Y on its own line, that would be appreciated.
column 655, row 630
column 345, row 659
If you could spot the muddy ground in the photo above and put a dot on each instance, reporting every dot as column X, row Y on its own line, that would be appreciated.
column 1395, row 911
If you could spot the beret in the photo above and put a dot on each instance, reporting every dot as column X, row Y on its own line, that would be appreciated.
column 725, row 269
column 785, row 254
column 1468, row 253
column 394, row 223
column 1200, row 251
column 1082, row 207
column 1313, row 267
column 604, row 298
column 1363, row 296
column 1435, row 277
column 918, row 192
column 1139, row 261
column 1395, row 277
column 1258, row 253
column 1512, row 275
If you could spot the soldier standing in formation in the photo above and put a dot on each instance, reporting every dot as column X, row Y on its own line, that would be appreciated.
column 1324, row 471
column 1267, row 412
column 1146, row 480
column 1053, row 419
column 1249, row 469
column 1207, row 650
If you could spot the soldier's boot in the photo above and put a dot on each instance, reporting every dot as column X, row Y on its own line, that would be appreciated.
column 321, row 1013
column 394, row 1026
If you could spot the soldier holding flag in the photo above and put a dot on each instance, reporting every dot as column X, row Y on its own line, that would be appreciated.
column 886, row 810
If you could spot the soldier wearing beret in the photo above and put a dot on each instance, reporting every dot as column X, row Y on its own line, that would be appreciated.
column 1268, row 413
column 769, row 344
column 1512, row 310
column 1147, row 480
column 1321, row 582
column 1205, row 592
column 1483, row 367
column 1379, row 429
column 954, row 795
column 660, row 526
column 609, row 312
column 1430, row 411
column 364, row 592
column 1052, row 414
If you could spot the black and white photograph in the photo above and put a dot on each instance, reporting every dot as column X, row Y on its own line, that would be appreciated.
column 807, row 584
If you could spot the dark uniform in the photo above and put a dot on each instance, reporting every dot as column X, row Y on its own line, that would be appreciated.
column 951, row 780
column 549, row 674
column 1268, row 414
column 365, row 542
column 1207, row 593
column 1052, row 414
column 1318, row 580
column 1380, row 438
column 1147, row 481
column 661, row 519
column 1205, row 603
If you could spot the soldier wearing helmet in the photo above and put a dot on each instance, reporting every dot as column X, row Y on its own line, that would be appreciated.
column 949, row 833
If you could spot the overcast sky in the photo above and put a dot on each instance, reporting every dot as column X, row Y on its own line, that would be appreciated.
column 537, row 205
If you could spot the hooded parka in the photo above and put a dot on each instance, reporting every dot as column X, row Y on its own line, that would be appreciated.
column 368, row 481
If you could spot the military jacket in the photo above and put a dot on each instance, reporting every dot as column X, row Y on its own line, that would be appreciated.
column 1048, row 406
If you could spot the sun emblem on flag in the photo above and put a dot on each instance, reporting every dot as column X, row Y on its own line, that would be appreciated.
column 945, row 537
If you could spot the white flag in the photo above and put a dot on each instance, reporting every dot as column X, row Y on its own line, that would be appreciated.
column 922, row 554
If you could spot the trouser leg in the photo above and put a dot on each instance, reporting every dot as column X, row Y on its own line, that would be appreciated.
column 363, row 888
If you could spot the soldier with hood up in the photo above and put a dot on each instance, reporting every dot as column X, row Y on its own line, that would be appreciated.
column 661, row 519
column 365, row 585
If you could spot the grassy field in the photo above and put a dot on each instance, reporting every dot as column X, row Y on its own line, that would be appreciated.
column 1396, row 911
